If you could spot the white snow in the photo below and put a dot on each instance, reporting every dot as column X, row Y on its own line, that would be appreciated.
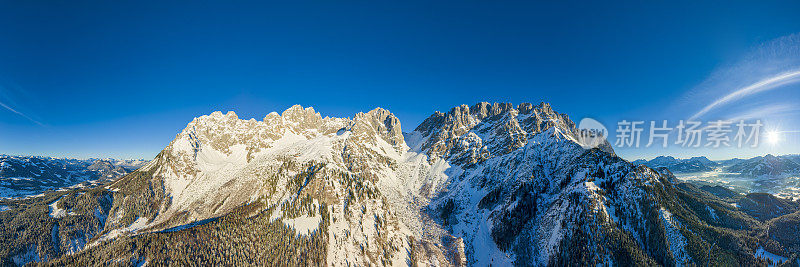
column 551, row 232
column 304, row 225
column 75, row 245
column 210, row 160
column 712, row 213
column 676, row 240
column 4, row 208
column 774, row 259
column 137, row 225
column 57, row 212
column 183, row 145
column 239, row 155
column 592, row 186
column 485, row 250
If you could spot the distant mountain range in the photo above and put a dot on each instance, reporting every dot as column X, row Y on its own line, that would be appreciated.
column 695, row 164
column 757, row 166
column 30, row 175
column 767, row 165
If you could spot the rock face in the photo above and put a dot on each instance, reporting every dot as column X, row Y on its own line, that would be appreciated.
column 219, row 162
column 507, row 185
column 473, row 134
column 520, row 187
column 488, row 184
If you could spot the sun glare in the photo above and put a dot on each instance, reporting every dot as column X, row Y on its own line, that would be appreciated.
column 772, row 137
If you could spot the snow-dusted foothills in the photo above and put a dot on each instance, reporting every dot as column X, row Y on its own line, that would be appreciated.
column 487, row 184
column 23, row 176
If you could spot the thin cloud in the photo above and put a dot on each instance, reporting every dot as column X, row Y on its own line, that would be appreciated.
column 770, row 66
column 765, row 112
column 761, row 86
column 20, row 113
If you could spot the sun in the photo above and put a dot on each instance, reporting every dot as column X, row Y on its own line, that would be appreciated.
column 772, row 137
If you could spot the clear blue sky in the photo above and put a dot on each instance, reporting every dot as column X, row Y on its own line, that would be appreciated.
column 120, row 79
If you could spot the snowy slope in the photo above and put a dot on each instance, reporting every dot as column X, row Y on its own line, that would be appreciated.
column 486, row 184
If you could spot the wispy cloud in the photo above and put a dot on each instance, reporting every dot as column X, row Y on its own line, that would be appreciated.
column 771, row 66
column 760, row 86
column 764, row 112
column 9, row 92
column 20, row 113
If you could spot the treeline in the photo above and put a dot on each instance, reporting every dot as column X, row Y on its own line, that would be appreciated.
column 29, row 228
column 232, row 240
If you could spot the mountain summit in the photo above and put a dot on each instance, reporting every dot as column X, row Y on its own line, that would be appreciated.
column 480, row 185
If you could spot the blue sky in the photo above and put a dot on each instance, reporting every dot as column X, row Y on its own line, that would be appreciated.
column 120, row 79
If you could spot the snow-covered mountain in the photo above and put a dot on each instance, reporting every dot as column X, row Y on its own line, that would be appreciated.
column 694, row 164
column 766, row 165
column 127, row 164
column 488, row 184
column 29, row 175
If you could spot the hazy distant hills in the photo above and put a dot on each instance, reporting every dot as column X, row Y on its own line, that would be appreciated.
column 29, row 175
column 757, row 166
column 767, row 165
column 695, row 164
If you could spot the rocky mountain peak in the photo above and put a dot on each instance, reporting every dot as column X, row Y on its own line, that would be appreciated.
column 379, row 122
column 303, row 117
column 231, row 115
column 216, row 150
column 480, row 185
column 485, row 130
column 218, row 115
